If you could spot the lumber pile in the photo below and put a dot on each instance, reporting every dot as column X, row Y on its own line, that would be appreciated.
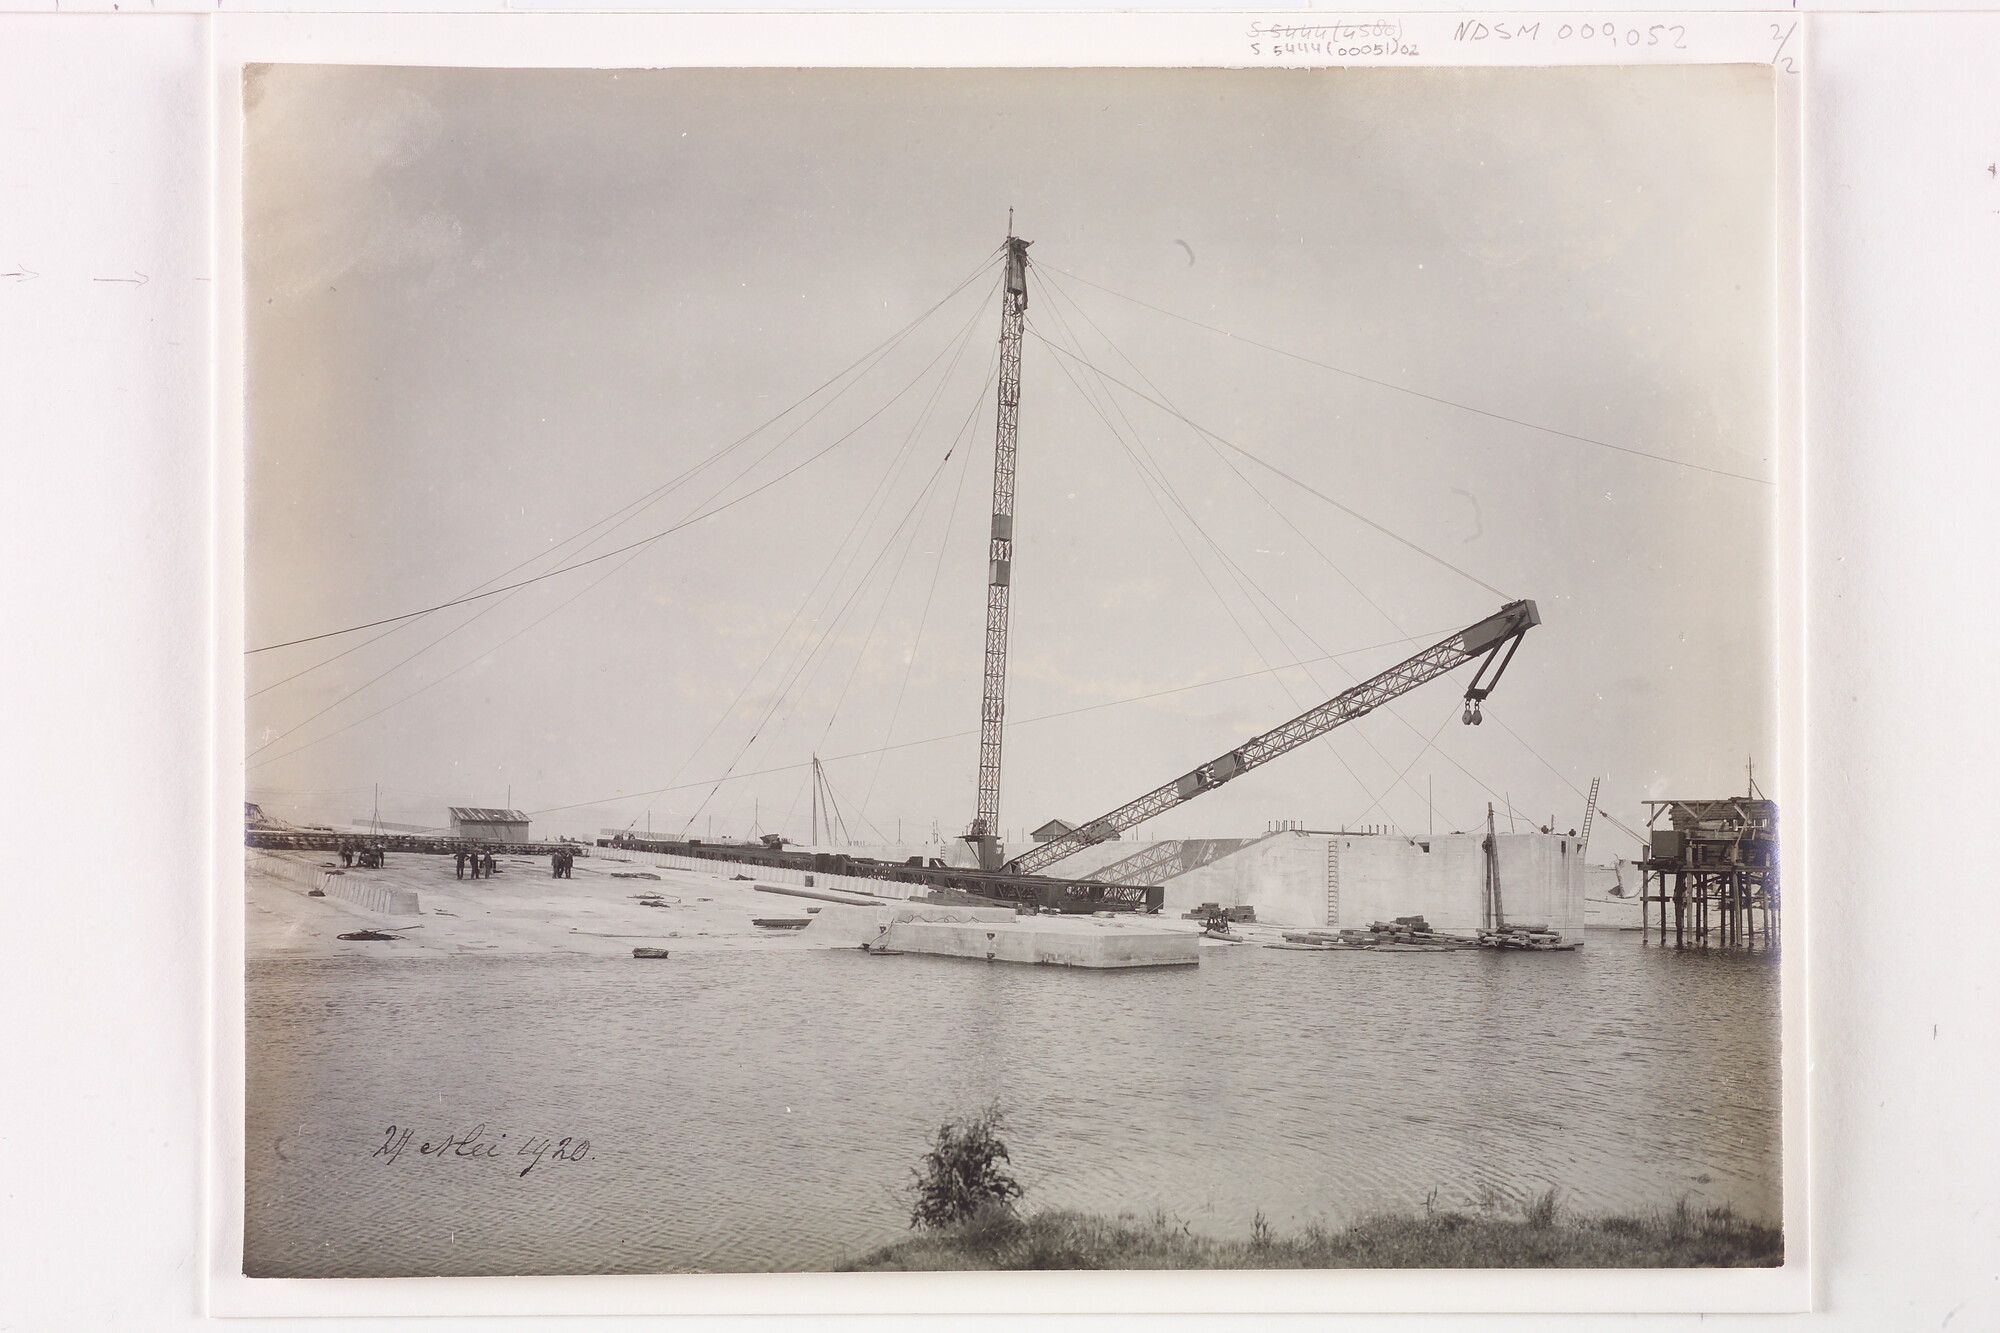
column 1406, row 932
column 1413, row 934
column 1217, row 912
column 1523, row 937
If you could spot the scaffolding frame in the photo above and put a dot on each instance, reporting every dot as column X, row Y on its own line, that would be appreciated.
column 1716, row 867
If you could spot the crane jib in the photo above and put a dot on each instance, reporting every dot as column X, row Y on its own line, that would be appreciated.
column 1513, row 619
column 1501, row 630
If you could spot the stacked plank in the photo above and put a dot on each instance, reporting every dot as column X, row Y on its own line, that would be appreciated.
column 1523, row 937
column 1407, row 933
column 1217, row 912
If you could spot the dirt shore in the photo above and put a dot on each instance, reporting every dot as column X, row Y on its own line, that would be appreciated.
column 605, row 908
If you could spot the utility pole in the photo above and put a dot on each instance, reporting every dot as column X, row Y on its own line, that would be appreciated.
column 1430, row 800
column 1494, row 917
column 984, row 832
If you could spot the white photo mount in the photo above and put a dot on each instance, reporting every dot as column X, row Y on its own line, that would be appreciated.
column 1287, row 40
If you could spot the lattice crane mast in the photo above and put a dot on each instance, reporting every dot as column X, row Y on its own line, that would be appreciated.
column 1503, row 630
column 984, row 833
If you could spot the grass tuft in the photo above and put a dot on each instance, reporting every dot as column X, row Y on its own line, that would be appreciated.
column 1545, row 1236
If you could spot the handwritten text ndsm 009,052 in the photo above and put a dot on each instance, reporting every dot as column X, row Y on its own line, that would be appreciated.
column 476, row 1144
column 1614, row 32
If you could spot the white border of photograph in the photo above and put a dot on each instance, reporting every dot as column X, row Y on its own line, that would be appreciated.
column 1234, row 40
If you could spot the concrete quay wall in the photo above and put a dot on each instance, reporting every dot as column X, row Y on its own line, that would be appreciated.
column 1283, row 877
column 1350, row 879
column 1443, row 878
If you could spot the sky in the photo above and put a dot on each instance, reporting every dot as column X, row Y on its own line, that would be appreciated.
column 489, row 309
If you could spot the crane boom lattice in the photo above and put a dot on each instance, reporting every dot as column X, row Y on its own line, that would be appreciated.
column 1489, row 636
column 984, row 832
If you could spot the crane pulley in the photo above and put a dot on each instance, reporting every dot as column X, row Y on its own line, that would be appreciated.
column 1503, row 630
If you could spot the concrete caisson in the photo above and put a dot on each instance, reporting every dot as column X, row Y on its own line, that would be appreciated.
column 1339, row 880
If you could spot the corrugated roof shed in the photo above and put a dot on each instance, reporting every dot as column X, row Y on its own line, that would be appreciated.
column 479, row 814
column 1724, row 815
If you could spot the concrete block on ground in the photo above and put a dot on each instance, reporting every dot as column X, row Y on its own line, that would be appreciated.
column 373, row 897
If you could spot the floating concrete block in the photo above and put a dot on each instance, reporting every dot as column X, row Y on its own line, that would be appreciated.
column 1043, row 940
column 845, row 927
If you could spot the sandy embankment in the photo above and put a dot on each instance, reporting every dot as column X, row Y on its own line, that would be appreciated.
column 522, row 910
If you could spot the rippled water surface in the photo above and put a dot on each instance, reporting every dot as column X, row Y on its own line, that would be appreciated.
column 762, row 1111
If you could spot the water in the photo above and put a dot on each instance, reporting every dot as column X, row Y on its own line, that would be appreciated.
column 762, row 1111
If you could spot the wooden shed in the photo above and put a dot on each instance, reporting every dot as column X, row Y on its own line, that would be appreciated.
column 482, row 824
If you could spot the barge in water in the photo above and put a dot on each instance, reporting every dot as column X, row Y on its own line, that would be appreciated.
column 1046, row 893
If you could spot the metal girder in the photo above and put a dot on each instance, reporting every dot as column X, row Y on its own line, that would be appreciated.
column 1487, row 636
column 1150, row 865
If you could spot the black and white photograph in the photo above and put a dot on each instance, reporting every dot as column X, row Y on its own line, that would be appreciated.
column 821, row 644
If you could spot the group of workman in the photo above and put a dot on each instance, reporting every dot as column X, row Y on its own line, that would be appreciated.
column 481, row 863
column 561, row 860
column 369, row 857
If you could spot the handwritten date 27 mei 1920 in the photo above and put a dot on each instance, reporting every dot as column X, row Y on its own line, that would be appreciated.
column 476, row 1144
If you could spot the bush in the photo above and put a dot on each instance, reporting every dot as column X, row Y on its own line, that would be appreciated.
column 961, row 1176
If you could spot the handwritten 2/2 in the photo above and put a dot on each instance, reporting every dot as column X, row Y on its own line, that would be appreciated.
column 476, row 1144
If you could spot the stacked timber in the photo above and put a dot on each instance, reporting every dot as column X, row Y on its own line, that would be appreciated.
column 1538, row 937
column 1406, row 934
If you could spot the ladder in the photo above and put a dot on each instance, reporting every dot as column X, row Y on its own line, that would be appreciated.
column 1589, row 813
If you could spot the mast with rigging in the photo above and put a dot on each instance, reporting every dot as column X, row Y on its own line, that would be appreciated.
column 984, row 833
